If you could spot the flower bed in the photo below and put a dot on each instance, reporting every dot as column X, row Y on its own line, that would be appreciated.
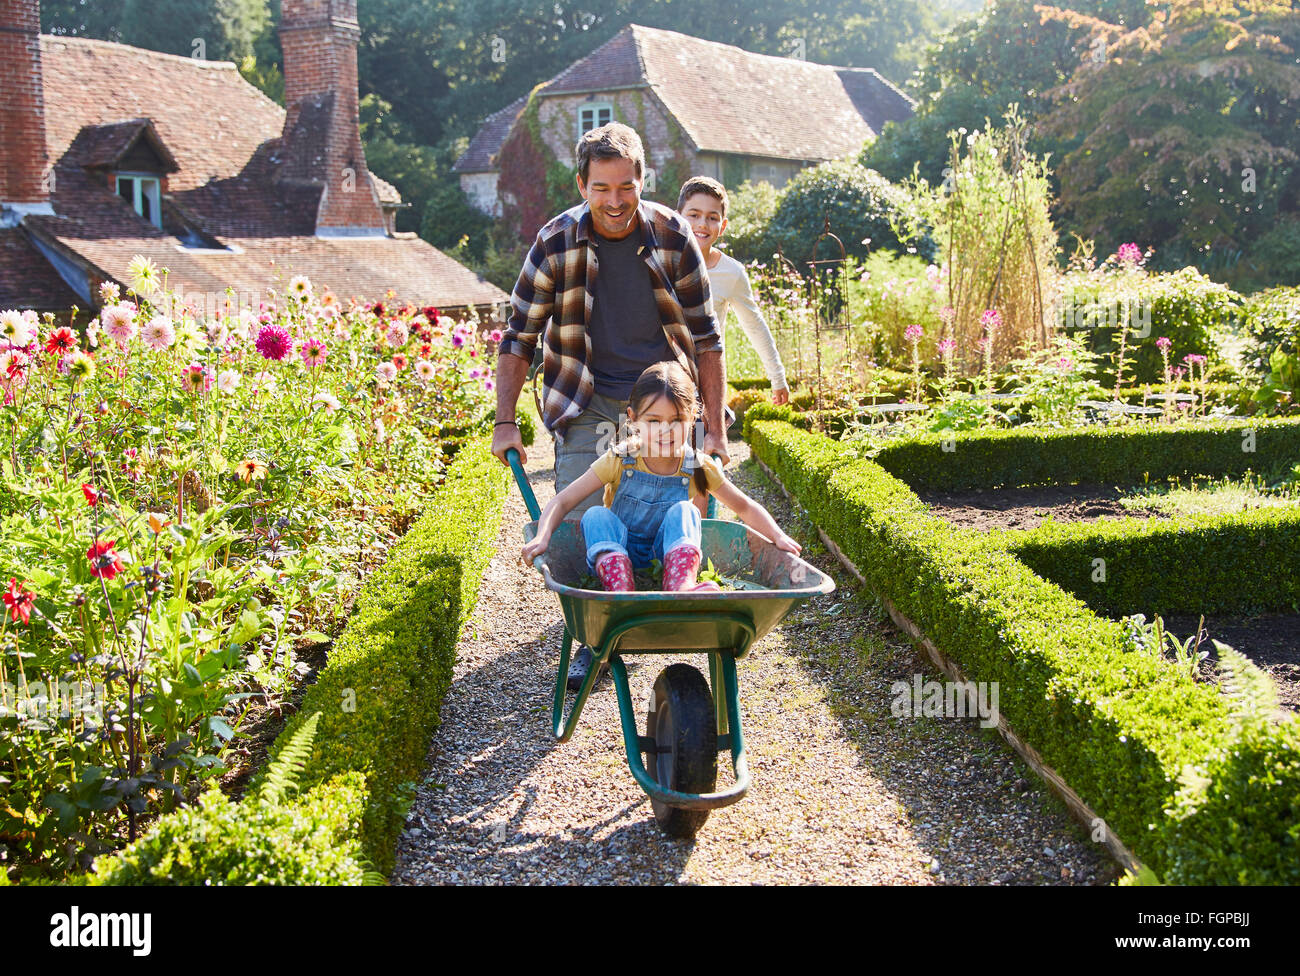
column 369, row 718
column 1201, row 790
column 181, row 497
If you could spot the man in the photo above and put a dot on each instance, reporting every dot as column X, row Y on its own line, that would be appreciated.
column 611, row 287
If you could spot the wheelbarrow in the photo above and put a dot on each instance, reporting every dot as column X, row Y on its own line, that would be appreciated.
column 688, row 720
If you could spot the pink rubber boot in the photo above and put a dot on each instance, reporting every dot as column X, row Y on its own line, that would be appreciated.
column 681, row 569
column 615, row 572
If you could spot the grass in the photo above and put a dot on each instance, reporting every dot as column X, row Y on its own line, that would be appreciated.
column 1210, row 496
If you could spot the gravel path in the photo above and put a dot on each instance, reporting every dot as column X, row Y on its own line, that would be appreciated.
column 842, row 791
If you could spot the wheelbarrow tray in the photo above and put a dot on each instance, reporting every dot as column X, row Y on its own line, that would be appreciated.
column 773, row 581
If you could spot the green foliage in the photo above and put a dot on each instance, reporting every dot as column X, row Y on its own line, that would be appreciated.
column 860, row 203
column 1185, row 306
column 1270, row 319
column 280, row 778
column 1211, row 83
column 1236, row 819
column 372, row 709
column 1119, row 727
column 749, row 213
column 1100, row 455
column 1280, row 392
column 1005, row 54
column 219, row 842
column 993, row 231
column 1186, row 564
column 380, row 693
column 229, row 29
column 889, row 292
column 1056, row 379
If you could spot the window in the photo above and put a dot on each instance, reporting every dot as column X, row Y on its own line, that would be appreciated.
column 593, row 115
column 142, row 193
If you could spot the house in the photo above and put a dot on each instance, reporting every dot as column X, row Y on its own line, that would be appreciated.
column 109, row 151
column 700, row 107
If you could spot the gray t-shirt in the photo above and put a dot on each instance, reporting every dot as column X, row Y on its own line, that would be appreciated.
column 627, row 335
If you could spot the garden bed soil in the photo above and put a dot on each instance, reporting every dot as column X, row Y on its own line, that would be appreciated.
column 1270, row 640
column 265, row 720
column 1027, row 508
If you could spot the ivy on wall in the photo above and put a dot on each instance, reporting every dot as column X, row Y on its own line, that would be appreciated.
column 534, row 185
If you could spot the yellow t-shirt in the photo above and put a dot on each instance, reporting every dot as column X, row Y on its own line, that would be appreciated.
column 609, row 468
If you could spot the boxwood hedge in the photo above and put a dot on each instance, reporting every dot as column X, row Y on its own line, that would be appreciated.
column 1120, row 726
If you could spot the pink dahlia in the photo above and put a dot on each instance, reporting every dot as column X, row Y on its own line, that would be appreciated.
column 273, row 341
column 313, row 352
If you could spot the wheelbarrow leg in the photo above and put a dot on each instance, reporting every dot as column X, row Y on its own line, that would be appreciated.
column 564, row 728
column 716, row 682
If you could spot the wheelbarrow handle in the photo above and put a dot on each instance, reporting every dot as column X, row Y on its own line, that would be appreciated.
column 525, row 489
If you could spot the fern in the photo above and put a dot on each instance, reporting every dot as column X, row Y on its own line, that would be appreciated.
column 281, row 777
column 1251, row 691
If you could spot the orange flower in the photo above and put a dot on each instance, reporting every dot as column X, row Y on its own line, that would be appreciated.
column 250, row 470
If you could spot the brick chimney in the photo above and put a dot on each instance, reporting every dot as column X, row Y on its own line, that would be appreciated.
column 322, row 136
column 23, row 184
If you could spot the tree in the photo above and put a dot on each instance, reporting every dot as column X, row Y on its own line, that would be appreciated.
column 1190, row 127
column 1007, row 54
column 218, row 30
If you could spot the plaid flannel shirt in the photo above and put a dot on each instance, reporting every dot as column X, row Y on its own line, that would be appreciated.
column 558, row 284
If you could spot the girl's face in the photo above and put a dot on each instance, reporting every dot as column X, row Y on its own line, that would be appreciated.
column 662, row 428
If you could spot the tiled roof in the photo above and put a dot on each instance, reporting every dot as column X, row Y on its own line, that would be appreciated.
column 615, row 64
column 726, row 99
column 387, row 192
column 208, row 117
column 27, row 280
column 734, row 101
column 225, row 137
column 875, row 98
column 350, row 267
column 480, row 156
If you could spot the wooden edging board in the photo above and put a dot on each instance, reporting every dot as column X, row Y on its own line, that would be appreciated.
column 1083, row 813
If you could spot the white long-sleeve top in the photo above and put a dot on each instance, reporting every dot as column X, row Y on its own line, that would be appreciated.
column 729, row 285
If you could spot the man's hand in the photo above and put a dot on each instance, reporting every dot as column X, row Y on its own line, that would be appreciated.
column 716, row 444
column 781, row 396
column 504, row 437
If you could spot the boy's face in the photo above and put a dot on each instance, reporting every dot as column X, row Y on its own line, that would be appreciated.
column 613, row 193
column 703, row 211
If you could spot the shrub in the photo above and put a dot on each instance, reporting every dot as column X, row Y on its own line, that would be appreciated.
column 1270, row 319
column 373, row 707
column 312, row 841
column 859, row 202
column 752, row 206
column 1194, row 312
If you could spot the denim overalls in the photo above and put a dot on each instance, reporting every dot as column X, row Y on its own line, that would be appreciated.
column 651, row 515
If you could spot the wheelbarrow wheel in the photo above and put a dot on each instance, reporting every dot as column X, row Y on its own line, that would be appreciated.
column 685, row 732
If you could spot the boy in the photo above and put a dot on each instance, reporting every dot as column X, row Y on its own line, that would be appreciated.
column 703, row 202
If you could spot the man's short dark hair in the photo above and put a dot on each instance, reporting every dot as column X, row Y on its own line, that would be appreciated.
column 612, row 141
column 703, row 184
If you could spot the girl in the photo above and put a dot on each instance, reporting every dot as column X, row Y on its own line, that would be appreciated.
column 650, row 482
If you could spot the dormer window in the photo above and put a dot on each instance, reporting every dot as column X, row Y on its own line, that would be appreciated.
column 143, row 192
column 129, row 159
